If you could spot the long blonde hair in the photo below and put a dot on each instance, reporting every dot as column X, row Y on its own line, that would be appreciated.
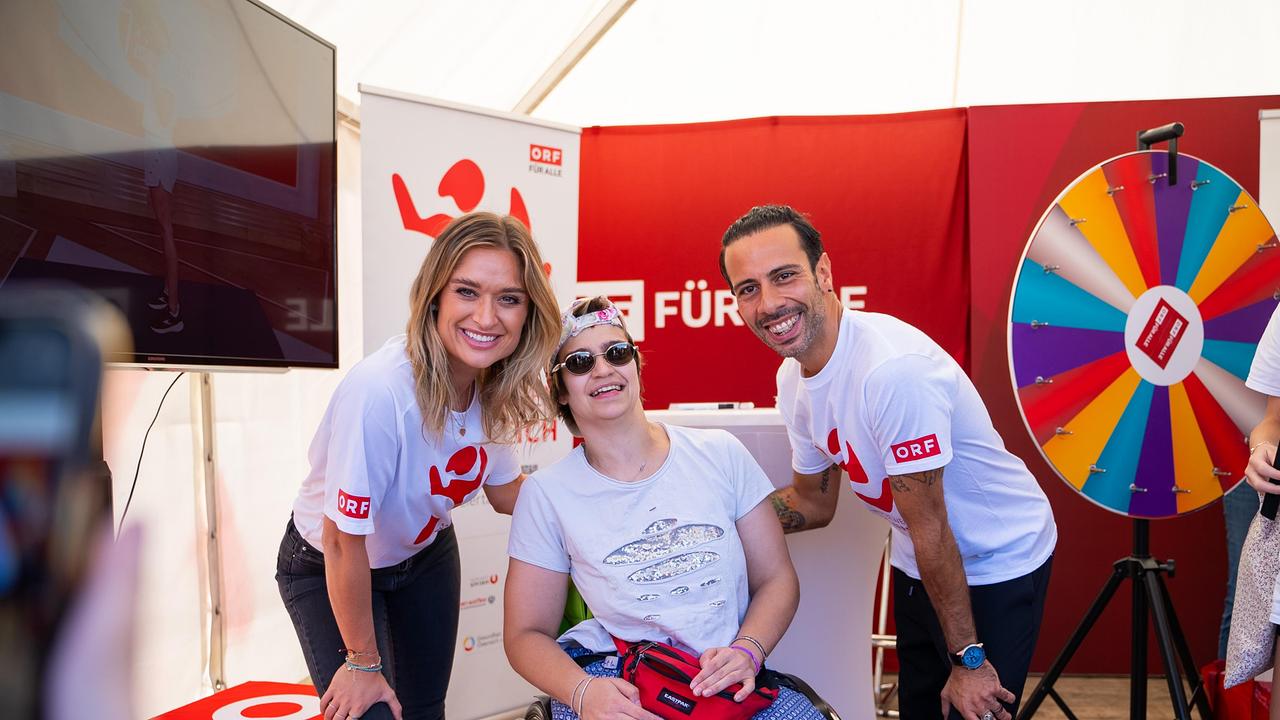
column 512, row 393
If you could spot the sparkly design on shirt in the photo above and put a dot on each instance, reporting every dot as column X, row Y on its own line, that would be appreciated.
column 656, row 546
column 674, row 567
column 659, row 526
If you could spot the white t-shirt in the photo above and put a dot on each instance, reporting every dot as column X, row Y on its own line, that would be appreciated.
column 890, row 402
column 375, row 473
column 1264, row 374
column 656, row 559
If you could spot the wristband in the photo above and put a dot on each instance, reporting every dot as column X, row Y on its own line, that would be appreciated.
column 350, row 666
column 753, row 641
column 754, row 662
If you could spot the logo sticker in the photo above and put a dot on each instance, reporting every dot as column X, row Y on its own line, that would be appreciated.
column 683, row 704
column 917, row 449
column 1163, row 332
column 353, row 506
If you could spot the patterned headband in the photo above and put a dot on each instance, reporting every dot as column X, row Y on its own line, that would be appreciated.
column 571, row 325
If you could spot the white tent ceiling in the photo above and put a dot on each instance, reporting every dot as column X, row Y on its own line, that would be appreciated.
column 691, row 60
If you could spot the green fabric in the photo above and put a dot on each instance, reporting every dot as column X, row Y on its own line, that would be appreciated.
column 575, row 609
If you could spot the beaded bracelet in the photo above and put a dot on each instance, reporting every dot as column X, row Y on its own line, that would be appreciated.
column 754, row 662
column 350, row 666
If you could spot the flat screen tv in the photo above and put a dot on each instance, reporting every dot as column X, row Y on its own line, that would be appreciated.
column 179, row 158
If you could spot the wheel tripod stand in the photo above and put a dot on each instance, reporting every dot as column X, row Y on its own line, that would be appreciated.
column 1149, row 593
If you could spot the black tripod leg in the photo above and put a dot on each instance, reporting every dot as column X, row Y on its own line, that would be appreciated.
column 1164, row 638
column 1199, row 693
column 1055, row 670
column 1138, row 647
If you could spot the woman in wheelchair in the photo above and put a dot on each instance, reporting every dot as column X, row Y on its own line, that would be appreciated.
column 665, row 532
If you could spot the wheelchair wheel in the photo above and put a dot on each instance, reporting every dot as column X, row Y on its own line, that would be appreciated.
column 794, row 683
column 539, row 709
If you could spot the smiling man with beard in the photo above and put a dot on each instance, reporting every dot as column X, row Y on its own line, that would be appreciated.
column 874, row 396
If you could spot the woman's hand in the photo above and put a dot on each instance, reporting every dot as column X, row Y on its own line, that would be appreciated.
column 352, row 692
column 610, row 698
column 1259, row 472
column 722, row 667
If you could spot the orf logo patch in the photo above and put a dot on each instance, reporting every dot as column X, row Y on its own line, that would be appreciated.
column 353, row 506
column 917, row 449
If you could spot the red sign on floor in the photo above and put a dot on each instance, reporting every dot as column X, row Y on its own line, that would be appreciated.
column 276, row 701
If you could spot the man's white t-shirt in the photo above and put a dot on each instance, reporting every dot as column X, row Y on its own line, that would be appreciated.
column 375, row 473
column 890, row 401
column 1264, row 373
column 655, row 559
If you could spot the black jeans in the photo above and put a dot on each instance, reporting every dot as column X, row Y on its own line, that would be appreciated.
column 1007, row 616
column 415, row 618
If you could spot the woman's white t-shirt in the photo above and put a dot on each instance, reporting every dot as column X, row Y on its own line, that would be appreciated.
column 374, row 472
column 655, row 559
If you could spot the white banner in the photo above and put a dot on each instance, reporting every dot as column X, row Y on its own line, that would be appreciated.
column 423, row 163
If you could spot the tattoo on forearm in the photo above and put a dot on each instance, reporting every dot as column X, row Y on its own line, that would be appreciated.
column 825, row 482
column 926, row 478
column 791, row 519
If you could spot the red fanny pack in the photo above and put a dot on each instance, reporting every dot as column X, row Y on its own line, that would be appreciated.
column 662, row 675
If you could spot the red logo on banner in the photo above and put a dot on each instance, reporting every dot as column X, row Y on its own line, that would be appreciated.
column 545, row 155
column 461, row 463
column 1162, row 334
column 917, row 449
column 280, row 701
column 883, row 501
column 464, row 182
column 353, row 506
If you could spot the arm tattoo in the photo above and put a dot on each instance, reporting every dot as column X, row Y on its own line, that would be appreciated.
column 926, row 478
column 790, row 519
column 826, row 480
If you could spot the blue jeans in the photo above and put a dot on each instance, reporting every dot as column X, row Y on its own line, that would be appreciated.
column 1238, row 508
column 415, row 619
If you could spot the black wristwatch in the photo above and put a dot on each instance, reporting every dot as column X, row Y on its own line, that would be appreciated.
column 970, row 656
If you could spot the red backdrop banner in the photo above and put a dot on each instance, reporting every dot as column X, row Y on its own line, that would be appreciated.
column 887, row 193
column 1020, row 158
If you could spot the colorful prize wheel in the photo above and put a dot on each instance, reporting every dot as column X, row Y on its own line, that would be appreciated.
column 1134, row 318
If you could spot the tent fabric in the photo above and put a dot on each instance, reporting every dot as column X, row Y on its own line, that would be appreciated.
column 666, row 61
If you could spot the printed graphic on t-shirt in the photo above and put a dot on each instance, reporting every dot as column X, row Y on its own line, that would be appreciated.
column 459, row 487
column 353, row 506
column 881, row 499
column 666, row 549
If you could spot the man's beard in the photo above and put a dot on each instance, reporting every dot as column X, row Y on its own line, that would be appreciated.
column 812, row 318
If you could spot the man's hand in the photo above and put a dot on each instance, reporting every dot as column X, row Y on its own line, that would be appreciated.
column 352, row 692
column 974, row 693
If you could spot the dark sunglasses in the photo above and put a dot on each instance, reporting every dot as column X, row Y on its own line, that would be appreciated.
column 581, row 362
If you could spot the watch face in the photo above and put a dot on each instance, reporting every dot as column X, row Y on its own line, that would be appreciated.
column 973, row 657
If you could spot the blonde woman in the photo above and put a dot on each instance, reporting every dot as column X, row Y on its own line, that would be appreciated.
column 368, row 567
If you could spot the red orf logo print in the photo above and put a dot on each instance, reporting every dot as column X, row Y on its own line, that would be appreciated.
column 464, row 182
column 459, row 487
column 858, row 477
